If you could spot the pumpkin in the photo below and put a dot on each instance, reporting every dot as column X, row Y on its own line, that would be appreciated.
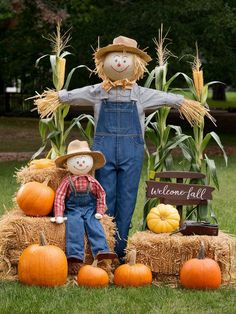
column 43, row 163
column 132, row 274
column 92, row 276
column 163, row 218
column 43, row 265
column 200, row 272
column 35, row 199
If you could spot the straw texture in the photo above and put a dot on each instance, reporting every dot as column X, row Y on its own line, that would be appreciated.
column 18, row 231
column 165, row 254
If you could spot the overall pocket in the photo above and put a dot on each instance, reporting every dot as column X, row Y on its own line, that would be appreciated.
column 118, row 118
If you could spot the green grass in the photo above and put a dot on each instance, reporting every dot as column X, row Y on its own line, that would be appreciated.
column 17, row 298
column 229, row 103
column 19, row 134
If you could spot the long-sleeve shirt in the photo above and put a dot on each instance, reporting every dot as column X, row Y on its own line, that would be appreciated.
column 81, row 184
column 145, row 98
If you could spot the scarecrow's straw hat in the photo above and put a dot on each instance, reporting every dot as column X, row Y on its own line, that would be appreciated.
column 76, row 148
column 123, row 43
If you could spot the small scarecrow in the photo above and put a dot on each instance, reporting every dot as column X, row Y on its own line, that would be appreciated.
column 81, row 199
column 119, row 110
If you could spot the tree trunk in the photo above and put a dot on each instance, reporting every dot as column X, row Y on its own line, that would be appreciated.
column 219, row 92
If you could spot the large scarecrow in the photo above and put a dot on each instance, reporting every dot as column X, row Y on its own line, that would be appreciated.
column 119, row 111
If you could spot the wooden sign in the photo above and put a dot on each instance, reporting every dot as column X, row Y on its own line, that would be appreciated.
column 180, row 192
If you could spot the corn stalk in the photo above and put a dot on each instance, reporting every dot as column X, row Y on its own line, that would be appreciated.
column 52, row 130
column 157, row 132
column 194, row 146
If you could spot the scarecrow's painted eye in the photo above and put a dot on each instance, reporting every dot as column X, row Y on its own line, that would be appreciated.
column 124, row 61
column 83, row 161
column 116, row 60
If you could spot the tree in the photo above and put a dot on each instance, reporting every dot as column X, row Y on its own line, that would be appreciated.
column 211, row 23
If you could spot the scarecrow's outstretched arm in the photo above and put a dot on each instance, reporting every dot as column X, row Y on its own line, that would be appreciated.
column 192, row 110
column 48, row 102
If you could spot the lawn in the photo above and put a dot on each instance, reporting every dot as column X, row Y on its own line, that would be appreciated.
column 154, row 299
column 27, row 128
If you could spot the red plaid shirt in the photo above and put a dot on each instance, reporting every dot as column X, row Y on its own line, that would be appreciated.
column 81, row 185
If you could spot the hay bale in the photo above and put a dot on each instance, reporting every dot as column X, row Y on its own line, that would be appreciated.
column 52, row 175
column 18, row 231
column 166, row 254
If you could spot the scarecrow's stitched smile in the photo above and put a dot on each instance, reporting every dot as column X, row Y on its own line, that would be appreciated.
column 120, row 70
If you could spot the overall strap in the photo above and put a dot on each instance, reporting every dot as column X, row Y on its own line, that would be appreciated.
column 89, row 188
column 72, row 185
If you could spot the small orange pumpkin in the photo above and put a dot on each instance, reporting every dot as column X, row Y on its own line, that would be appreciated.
column 43, row 265
column 132, row 274
column 200, row 272
column 92, row 276
column 35, row 199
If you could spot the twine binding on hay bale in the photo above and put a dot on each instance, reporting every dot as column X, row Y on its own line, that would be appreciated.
column 166, row 254
column 18, row 231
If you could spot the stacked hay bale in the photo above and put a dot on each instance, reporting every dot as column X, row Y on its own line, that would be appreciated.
column 165, row 254
column 17, row 231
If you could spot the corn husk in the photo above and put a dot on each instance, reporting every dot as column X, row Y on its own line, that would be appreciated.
column 60, row 72
column 198, row 81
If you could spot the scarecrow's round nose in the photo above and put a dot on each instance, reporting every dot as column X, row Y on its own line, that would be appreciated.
column 118, row 64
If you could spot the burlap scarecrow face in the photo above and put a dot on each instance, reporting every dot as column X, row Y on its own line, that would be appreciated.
column 80, row 165
column 119, row 66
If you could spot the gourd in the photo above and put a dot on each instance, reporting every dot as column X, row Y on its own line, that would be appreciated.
column 43, row 265
column 35, row 199
column 132, row 274
column 43, row 163
column 92, row 276
column 200, row 272
column 163, row 218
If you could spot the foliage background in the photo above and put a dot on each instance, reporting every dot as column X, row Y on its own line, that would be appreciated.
column 24, row 23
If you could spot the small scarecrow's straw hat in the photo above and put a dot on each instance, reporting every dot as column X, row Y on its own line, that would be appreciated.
column 123, row 43
column 76, row 148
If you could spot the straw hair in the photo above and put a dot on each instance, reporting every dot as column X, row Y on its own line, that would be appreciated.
column 194, row 112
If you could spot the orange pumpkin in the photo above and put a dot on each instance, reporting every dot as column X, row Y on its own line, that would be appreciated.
column 35, row 199
column 43, row 265
column 132, row 274
column 92, row 276
column 201, row 272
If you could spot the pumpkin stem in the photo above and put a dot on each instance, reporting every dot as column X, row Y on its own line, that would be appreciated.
column 201, row 254
column 46, row 181
column 42, row 239
column 95, row 263
column 132, row 257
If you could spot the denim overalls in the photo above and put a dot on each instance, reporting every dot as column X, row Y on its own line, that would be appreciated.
column 80, row 212
column 119, row 137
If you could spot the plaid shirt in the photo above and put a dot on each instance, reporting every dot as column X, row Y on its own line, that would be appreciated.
column 81, row 185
